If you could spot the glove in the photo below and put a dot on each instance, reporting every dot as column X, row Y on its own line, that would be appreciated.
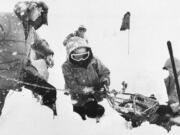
column 100, row 94
column 175, row 107
column 66, row 93
column 105, row 84
column 88, row 90
column 50, row 61
column 105, row 81
column 102, row 91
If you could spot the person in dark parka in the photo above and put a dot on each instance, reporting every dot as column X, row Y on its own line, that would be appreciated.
column 41, row 57
column 85, row 77
column 16, row 37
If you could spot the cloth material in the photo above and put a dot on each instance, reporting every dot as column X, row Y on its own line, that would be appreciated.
column 77, row 78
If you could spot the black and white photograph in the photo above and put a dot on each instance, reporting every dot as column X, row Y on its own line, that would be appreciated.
column 89, row 67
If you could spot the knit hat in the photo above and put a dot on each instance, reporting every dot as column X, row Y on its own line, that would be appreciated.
column 74, row 43
column 168, row 64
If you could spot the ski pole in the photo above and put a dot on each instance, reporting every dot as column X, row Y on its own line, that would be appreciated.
column 174, row 68
column 31, row 84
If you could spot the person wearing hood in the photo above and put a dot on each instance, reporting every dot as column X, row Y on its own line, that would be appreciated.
column 85, row 77
column 16, row 37
column 41, row 57
column 167, row 115
column 170, row 84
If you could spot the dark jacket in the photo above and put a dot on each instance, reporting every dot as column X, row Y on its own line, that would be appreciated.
column 170, row 81
column 77, row 78
column 14, row 48
column 40, row 51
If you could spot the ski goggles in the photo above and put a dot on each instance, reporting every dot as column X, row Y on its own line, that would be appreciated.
column 80, row 57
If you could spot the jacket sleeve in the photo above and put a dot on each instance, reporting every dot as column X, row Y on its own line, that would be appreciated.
column 70, row 82
column 42, row 49
column 103, row 73
column 171, row 89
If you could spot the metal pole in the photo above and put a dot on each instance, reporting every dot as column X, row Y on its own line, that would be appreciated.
column 174, row 68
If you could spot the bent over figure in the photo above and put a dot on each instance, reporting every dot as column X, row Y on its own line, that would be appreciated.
column 85, row 77
column 16, row 37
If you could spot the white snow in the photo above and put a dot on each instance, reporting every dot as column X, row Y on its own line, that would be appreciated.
column 152, row 24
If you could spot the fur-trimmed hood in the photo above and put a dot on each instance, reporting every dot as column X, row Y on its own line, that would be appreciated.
column 168, row 64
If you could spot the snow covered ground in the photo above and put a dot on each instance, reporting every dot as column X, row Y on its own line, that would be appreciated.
column 152, row 24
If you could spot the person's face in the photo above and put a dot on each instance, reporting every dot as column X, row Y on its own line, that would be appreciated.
column 170, row 70
column 35, row 13
column 80, row 54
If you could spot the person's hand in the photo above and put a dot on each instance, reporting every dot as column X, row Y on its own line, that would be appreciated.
column 105, row 82
column 175, row 107
column 88, row 90
column 175, row 120
column 102, row 90
column 50, row 61
column 66, row 93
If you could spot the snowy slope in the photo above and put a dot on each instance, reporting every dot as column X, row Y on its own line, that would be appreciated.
column 152, row 24
column 24, row 116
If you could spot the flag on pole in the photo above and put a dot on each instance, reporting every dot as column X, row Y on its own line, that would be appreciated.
column 125, row 22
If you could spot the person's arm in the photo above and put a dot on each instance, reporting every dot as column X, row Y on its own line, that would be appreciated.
column 103, row 73
column 70, row 82
column 41, row 46
column 42, row 49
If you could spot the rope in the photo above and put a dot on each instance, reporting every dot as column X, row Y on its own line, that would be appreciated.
column 150, row 108
column 30, row 84
column 111, row 103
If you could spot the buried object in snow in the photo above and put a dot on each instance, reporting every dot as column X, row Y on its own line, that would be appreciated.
column 138, row 108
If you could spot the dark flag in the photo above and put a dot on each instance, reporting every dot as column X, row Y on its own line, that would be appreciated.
column 125, row 22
